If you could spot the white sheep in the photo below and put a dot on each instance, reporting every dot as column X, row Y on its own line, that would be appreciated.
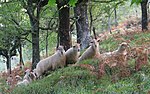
column 52, row 62
column 72, row 54
column 9, row 80
column 91, row 51
column 24, row 82
column 117, row 57
column 26, row 79
column 18, row 78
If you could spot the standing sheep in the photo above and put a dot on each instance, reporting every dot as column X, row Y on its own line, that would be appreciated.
column 91, row 51
column 72, row 54
column 52, row 62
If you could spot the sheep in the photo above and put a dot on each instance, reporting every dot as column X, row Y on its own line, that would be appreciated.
column 27, row 73
column 116, row 57
column 91, row 51
column 26, row 79
column 18, row 78
column 72, row 54
column 9, row 80
column 52, row 62
column 24, row 82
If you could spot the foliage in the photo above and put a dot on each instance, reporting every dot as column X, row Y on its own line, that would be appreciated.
column 52, row 2
column 136, row 2
column 83, row 78
column 71, row 2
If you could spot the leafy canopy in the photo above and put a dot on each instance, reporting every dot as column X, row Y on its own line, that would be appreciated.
column 71, row 2
column 136, row 2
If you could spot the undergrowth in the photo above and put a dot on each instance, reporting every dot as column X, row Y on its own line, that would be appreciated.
column 77, row 80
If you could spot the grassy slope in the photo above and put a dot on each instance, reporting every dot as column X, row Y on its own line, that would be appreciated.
column 76, row 80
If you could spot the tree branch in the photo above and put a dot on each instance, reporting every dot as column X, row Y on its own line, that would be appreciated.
column 104, row 1
column 6, row 2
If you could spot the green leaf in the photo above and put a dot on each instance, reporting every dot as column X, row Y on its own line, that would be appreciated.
column 72, row 2
column 137, row 2
column 132, row 2
column 52, row 3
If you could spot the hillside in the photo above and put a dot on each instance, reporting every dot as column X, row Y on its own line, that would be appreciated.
column 82, row 80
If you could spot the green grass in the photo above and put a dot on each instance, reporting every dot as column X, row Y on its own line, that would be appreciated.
column 77, row 80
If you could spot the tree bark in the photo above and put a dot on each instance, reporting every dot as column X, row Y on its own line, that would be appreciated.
column 64, row 25
column 82, row 24
column 20, row 55
column 34, row 21
column 144, row 15
column 46, row 45
column 115, row 12
column 91, row 18
column 7, row 63
column 109, row 24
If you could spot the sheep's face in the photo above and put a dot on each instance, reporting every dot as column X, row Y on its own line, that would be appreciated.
column 27, row 72
column 61, row 49
column 76, row 48
column 34, row 73
column 95, row 43
column 33, row 76
column 18, row 78
column 123, row 46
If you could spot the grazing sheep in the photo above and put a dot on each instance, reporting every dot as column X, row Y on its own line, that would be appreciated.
column 72, row 54
column 53, row 62
column 91, row 51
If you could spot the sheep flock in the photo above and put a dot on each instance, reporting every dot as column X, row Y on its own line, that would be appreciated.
column 62, row 58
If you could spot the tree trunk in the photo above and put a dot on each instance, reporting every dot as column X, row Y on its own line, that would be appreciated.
column 9, row 61
column 82, row 24
column 144, row 15
column 91, row 18
column 46, row 44
column 35, row 44
column 115, row 12
column 20, row 55
column 64, row 25
column 34, row 21
column 7, row 64
column 109, row 24
column 102, row 25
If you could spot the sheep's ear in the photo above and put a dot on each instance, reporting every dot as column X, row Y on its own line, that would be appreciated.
column 98, row 40
column 80, row 44
column 61, row 52
column 25, row 72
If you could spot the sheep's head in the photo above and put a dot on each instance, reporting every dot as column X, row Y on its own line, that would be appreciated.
column 34, row 74
column 27, row 72
column 76, row 47
column 18, row 78
column 95, row 44
column 123, row 46
column 61, row 49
